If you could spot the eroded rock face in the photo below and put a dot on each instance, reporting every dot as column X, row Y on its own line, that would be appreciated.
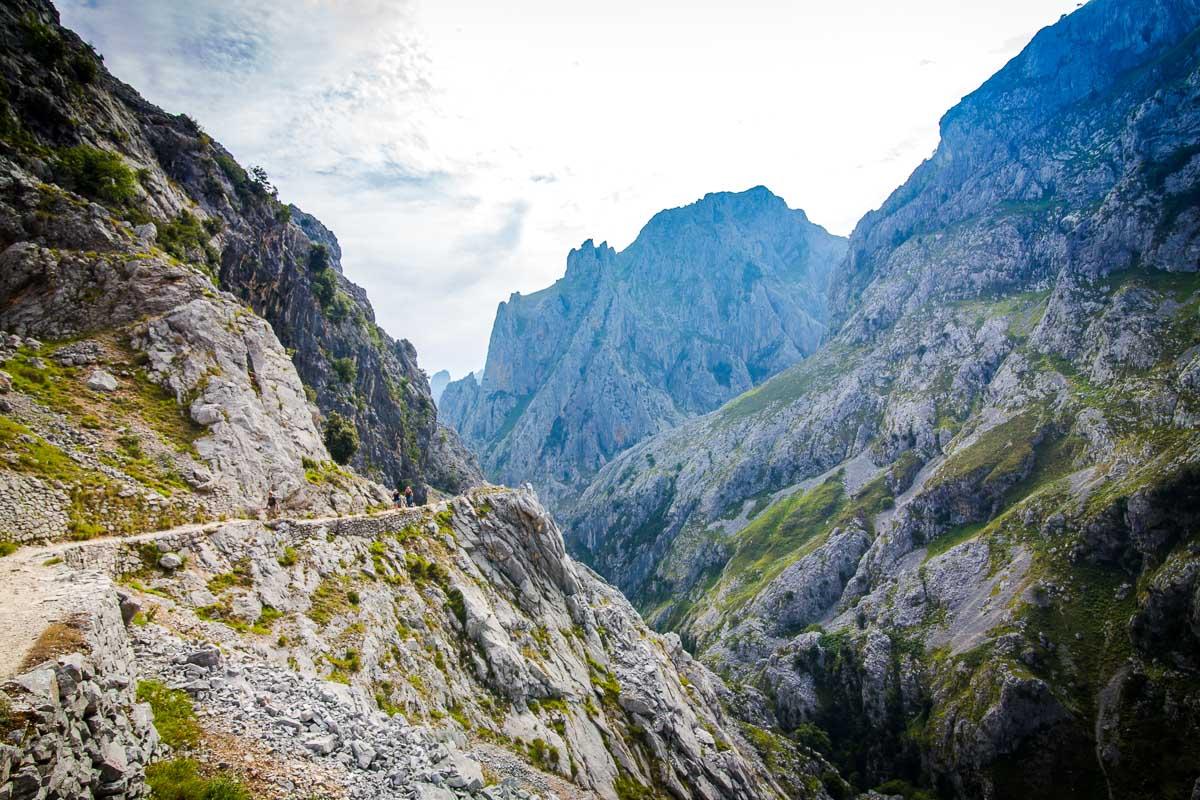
column 925, row 538
column 174, row 193
column 709, row 301
column 463, row 618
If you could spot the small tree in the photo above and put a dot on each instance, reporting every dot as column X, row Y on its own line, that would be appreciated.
column 341, row 437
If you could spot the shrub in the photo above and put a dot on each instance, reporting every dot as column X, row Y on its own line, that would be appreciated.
column 84, row 68
column 345, row 369
column 182, row 235
column 289, row 557
column 341, row 437
column 318, row 258
column 97, row 174
column 324, row 285
column 8, row 548
column 42, row 40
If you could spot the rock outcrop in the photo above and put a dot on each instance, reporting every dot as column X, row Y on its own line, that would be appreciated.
column 923, row 541
column 157, row 185
column 418, row 651
column 710, row 300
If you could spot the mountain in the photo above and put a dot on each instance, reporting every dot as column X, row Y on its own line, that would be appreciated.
column 198, row 601
column 454, row 651
column 438, row 383
column 69, row 122
column 956, row 545
column 709, row 300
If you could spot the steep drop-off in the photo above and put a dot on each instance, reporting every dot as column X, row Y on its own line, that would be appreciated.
column 957, row 543
column 708, row 301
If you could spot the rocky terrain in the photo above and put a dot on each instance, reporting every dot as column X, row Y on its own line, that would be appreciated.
column 710, row 300
column 955, row 547
column 449, row 651
column 93, row 173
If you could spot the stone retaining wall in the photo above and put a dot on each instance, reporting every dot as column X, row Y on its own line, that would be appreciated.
column 72, row 727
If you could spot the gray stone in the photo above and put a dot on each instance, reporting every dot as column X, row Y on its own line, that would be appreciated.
column 102, row 381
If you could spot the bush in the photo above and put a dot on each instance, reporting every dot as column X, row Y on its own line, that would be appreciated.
column 345, row 369
column 42, row 40
column 84, row 68
column 318, row 258
column 341, row 437
column 97, row 174
column 324, row 285
column 181, row 235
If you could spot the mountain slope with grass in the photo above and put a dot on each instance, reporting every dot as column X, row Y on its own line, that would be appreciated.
column 93, row 153
column 710, row 300
column 955, row 545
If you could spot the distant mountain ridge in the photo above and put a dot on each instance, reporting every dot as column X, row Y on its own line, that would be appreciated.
column 709, row 300
column 957, row 545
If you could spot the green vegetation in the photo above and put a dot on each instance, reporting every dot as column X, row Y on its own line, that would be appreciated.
column 180, row 779
column 174, row 716
column 543, row 755
column 326, row 473
column 998, row 455
column 341, row 437
column 629, row 788
column 239, row 576
column 815, row 373
column 345, row 369
column 777, row 537
column 7, row 548
column 96, row 174
column 335, row 304
column 45, row 43
column 185, row 234
column 330, row 599
column 953, row 538
column 289, row 557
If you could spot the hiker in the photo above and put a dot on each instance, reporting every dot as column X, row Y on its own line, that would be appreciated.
column 271, row 505
column 408, row 497
column 397, row 498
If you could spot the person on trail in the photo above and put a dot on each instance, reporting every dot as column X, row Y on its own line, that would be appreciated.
column 272, row 504
column 397, row 498
column 408, row 497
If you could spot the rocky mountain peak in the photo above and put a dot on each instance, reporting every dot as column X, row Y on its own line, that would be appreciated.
column 709, row 300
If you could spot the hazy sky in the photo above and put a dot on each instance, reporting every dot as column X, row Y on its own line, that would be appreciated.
column 460, row 148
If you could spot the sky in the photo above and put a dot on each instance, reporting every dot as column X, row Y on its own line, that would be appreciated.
column 460, row 148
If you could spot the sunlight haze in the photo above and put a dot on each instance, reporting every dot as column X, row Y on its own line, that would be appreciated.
column 459, row 150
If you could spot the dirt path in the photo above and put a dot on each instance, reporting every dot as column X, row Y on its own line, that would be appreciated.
column 36, row 590
column 31, row 597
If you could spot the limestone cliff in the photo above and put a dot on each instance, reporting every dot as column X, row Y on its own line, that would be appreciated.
column 954, row 544
column 710, row 300
column 448, row 652
column 71, row 134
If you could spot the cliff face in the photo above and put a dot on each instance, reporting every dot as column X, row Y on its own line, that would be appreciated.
column 925, row 539
column 414, row 653
column 68, row 123
column 710, row 300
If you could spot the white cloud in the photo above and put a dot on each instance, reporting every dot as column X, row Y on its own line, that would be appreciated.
column 459, row 148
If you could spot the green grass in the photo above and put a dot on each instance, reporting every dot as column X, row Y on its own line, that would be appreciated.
column 777, row 537
column 996, row 455
column 952, row 538
column 7, row 548
column 174, row 716
column 180, row 779
column 815, row 373
column 330, row 599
